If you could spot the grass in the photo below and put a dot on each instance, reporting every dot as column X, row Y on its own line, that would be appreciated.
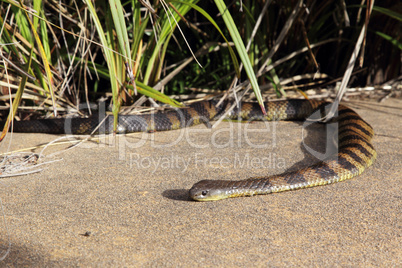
column 134, row 53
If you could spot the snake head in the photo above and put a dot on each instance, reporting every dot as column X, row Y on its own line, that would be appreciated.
column 207, row 190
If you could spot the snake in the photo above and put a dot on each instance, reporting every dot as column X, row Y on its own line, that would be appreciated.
column 354, row 137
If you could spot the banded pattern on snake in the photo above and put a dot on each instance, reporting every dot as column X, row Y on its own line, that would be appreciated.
column 355, row 149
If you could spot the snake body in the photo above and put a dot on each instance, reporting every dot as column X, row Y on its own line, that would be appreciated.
column 355, row 150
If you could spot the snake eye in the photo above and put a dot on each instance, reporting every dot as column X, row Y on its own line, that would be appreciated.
column 204, row 193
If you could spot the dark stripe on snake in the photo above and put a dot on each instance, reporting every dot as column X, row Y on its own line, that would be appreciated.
column 294, row 178
column 345, row 164
column 345, row 132
column 355, row 157
column 344, row 140
column 325, row 171
column 358, row 147
column 357, row 126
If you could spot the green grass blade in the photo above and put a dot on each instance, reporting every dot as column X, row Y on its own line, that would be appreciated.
column 43, row 29
column 241, row 50
column 107, row 50
column 49, row 86
column 17, row 99
column 120, row 27
column 388, row 12
column 7, row 38
column 212, row 21
column 167, row 28
column 391, row 39
column 155, row 94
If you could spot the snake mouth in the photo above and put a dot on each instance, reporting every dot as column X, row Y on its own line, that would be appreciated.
column 204, row 198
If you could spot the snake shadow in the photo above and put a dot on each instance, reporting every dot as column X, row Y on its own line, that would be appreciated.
column 315, row 139
column 177, row 194
column 318, row 140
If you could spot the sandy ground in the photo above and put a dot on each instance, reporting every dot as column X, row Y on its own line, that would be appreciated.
column 129, row 195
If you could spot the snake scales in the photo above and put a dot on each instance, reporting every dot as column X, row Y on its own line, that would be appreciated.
column 355, row 150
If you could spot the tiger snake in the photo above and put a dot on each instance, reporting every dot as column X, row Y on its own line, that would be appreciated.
column 355, row 150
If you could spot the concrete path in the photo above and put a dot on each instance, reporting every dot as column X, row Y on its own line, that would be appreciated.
column 123, row 202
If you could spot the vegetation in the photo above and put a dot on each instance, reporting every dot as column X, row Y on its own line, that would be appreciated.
column 83, row 51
